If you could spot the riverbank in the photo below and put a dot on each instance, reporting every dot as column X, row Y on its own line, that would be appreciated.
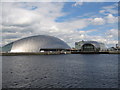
column 32, row 53
column 102, row 52
column 56, row 53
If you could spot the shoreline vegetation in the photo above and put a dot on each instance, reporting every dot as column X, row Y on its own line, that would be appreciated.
column 55, row 53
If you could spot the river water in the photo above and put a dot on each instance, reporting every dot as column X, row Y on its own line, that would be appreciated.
column 60, row 71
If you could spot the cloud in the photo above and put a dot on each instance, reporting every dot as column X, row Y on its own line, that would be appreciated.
column 111, row 19
column 98, row 21
column 111, row 37
column 107, row 19
column 27, row 19
column 77, row 4
column 109, row 9
column 59, row 0
column 112, row 33
column 19, row 21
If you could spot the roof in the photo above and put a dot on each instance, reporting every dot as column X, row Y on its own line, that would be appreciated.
column 35, row 43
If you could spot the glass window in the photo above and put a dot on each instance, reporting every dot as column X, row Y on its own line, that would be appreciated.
column 88, row 47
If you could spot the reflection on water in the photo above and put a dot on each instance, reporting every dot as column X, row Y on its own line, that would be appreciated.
column 60, row 71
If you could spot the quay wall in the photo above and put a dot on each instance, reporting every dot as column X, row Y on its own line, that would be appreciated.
column 56, row 53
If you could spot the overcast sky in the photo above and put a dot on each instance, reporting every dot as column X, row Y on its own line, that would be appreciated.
column 70, row 21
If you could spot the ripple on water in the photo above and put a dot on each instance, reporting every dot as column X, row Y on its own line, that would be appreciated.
column 60, row 71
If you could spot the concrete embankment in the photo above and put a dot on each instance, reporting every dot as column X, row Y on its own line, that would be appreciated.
column 33, row 53
column 56, row 53
column 106, row 52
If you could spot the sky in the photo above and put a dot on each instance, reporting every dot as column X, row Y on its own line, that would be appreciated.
column 69, row 21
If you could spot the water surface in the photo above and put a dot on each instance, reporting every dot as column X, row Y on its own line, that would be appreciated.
column 60, row 71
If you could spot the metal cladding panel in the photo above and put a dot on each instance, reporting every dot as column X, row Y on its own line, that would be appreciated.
column 35, row 43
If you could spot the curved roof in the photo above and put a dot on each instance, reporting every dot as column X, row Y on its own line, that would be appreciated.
column 35, row 43
column 96, row 44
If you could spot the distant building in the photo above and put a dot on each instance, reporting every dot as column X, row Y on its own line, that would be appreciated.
column 89, row 46
column 116, row 48
column 112, row 49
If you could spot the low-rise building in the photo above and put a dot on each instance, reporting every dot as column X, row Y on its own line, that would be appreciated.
column 90, row 46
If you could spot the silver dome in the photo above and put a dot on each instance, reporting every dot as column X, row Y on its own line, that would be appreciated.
column 35, row 43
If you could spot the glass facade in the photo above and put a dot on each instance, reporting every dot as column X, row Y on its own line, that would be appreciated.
column 88, row 47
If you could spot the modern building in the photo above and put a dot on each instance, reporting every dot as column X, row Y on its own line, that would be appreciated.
column 89, row 46
column 116, row 48
column 37, row 43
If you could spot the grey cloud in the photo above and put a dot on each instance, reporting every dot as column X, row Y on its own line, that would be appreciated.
column 20, row 22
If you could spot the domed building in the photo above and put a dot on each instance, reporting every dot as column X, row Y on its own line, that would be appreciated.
column 36, row 44
column 90, row 46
